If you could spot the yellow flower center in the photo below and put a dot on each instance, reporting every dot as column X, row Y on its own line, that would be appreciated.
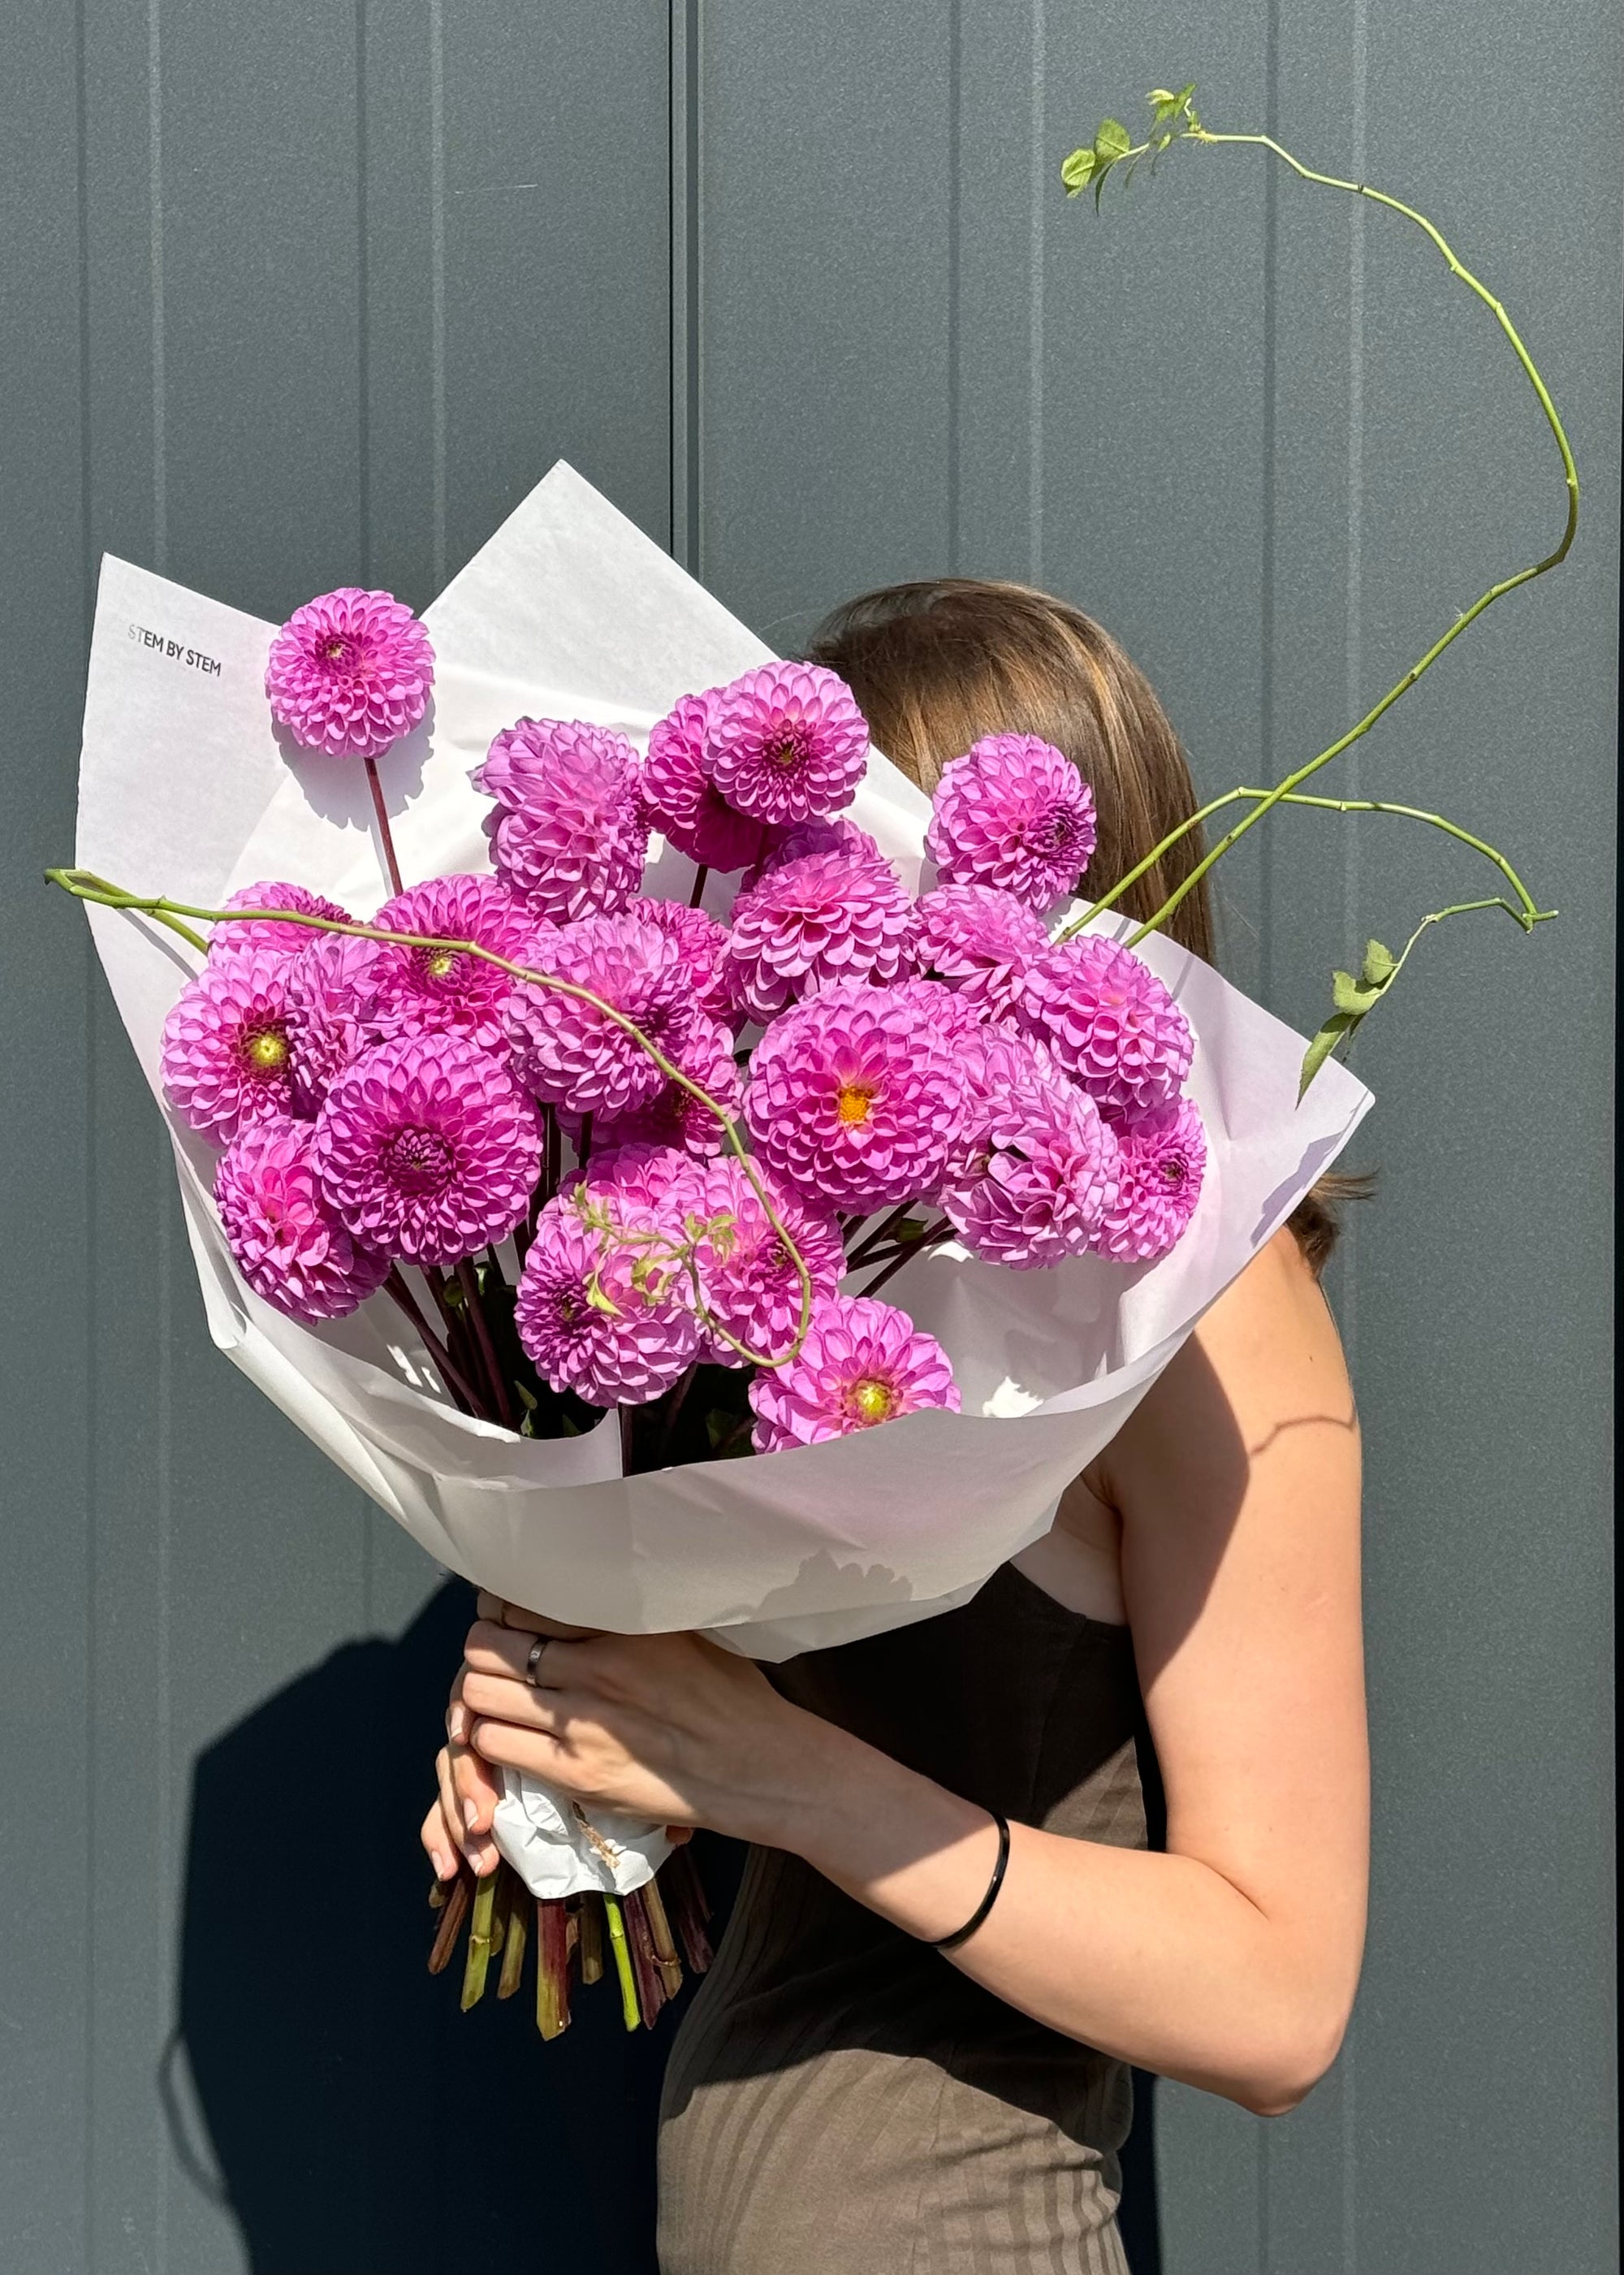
column 873, row 1400
column 854, row 1101
column 441, row 963
column 268, row 1050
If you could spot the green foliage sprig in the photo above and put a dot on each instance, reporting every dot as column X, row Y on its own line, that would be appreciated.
column 1174, row 118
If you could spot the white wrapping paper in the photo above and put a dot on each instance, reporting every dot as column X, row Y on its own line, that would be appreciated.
column 570, row 611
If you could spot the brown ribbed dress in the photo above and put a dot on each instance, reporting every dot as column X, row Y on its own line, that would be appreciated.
column 841, row 2100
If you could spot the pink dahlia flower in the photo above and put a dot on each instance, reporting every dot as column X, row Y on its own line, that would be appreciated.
column 590, row 1252
column 951, row 1012
column 837, row 835
column 567, row 832
column 226, row 1056
column 1161, row 1158
column 813, row 924
column 265, row 932
column 674, row 1116
column 854, row 1097
column 424, row 991
column 349, row 673
column 684, row 803
column 427, row 1148
column 979, row 941
column 291, row 1244
column 787, row 742
column 863, row 1363
column 332, row 1012
column 747, row 1276
column 1031, row 1173
column 701, row 942
column 567, row 1051
column 1013, row 812
column 1110, row 1023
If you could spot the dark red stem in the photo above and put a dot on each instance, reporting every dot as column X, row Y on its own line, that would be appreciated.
column 470, row 1279
column 382, row 812
column 459, row 1389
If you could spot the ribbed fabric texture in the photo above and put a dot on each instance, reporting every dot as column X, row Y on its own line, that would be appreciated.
column 841, row 2100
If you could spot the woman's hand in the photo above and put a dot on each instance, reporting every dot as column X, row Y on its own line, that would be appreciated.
column 664, row 1726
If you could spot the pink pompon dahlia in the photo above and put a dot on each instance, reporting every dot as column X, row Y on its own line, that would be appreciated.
column 674, row 1116
column 427, row 1148
column 1161, row 1160
column 702, row 944
column 863, row 1363
column 854, row 1097
column 814, row 923
column 265, row 932
column 333, row 989
column 1110, row 1023
column 602, row 1308
column 835, row 834
column 1033, row 1172
column 349, row 673
column 951, row 1013
column 567, row 1051
column 226, row 1056
column 568, row 832
column 1013, row 812
column 684, row 803
column 749, row 1281
column 290, row 1243
column 979, row 941
column 787, row 742
column 424, row 991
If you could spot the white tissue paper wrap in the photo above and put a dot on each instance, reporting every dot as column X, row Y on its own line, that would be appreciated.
column 570, row 611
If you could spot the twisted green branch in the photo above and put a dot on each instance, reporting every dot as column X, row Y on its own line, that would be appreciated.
column 85, row 885
column 1175, row 119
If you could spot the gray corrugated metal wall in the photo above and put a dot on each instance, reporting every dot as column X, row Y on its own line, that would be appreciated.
column 301, row 293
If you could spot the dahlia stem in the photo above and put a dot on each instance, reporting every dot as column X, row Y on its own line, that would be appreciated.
column 480, row 1923
column 470, row 1281
column 932, row 1239
column 696, row 898
column 395, row 1286
column 85, row 886
column 878, row 1238
column 677, row 1397
column 616, row 1926
column 390, row 864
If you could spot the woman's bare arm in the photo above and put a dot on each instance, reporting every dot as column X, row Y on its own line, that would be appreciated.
column 1231, row 1960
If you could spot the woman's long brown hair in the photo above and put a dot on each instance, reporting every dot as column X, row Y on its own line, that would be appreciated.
column 937, row 664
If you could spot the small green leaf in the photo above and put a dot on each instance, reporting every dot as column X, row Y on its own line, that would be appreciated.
column 1342, row 1022
column 1112, row 141
column 1380, row 965
column 1076, row 171
column 1349, row 996
column 600, row 1301
column 526, row 1399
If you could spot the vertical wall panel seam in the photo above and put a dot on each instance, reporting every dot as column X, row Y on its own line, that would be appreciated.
column 436, row 275
column 955, row 105
column 686, row 282
column 154, row 208
column 1040, row 209
column 88, row 1419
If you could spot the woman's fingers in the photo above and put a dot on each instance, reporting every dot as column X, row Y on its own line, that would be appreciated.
column 502, row 1699
column 533, row 1750
column 437, row 1840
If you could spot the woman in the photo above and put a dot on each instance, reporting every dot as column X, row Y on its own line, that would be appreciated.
column 845, row 2094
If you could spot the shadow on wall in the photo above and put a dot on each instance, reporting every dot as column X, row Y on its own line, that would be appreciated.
column 359, row 2122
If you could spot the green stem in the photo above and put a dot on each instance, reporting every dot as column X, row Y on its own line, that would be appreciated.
column 84, row 886
column 1282, row 789
column 628, row 2006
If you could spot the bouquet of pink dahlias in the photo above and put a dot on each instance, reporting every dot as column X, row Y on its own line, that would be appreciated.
column 634, row 1074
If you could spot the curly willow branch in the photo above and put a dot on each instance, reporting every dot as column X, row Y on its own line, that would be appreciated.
column 86, row 887
column 1265, row 801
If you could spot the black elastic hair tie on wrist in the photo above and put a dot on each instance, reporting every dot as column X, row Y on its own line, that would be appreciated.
column 961, row 1935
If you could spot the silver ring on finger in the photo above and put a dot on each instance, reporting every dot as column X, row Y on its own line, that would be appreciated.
column 532, row 1663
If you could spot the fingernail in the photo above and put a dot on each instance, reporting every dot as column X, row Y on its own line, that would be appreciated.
column 471, row 1814
column 457, row 1723
column 442, row 1866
